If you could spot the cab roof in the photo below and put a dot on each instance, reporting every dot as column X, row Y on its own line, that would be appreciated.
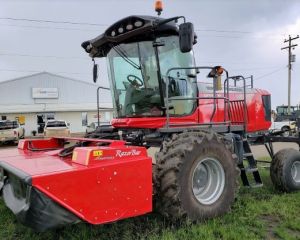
column 130, row 29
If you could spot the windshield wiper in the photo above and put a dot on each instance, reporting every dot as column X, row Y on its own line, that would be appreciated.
column 120, row 51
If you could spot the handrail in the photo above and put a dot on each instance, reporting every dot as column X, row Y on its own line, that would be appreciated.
column 167, row 89
column 239, row 78
column 98, row 110
column 226, row 98
column 193, row 98
column 213, row 98
column 196, row 124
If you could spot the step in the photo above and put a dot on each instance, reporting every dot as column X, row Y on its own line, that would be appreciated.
column 248, row 154
column 249, row 170
column 256, row 185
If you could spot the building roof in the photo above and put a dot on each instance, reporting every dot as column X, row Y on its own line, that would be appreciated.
column 19, row 95
column 48, row 73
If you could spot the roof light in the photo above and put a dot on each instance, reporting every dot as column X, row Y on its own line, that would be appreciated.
column 219, row 70
column 113, row 33
column 138, row 24
column 129, row 27
column 158, row 6
column 121, row 30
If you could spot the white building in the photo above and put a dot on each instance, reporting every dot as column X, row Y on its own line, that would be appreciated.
column 34, row 99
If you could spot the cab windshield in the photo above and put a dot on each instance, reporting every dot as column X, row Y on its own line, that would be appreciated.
column 283, row 110
column 139, row 89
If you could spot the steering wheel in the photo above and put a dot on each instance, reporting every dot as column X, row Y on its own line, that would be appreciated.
column 134, row 80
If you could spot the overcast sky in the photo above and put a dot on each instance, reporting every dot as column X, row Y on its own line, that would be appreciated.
column 243, row 36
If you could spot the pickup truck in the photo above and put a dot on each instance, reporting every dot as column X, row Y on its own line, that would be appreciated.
column 56, row 128
column 285, row 128
column 94, row 125
column 11, row 131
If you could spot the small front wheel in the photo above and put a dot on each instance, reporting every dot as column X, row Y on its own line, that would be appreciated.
column 285, row 131
column 285, row 170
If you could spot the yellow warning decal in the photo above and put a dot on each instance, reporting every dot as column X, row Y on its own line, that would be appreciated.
column 98, row 153
column 74, row 156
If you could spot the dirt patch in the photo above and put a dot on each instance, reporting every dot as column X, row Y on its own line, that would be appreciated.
column 271, row 223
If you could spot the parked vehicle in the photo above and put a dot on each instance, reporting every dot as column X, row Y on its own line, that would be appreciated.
column 283, row 115
column 11, row 131
column 56, row 128
column 94, row 125
column 285, row 128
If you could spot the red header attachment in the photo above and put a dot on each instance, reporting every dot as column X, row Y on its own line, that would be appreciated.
column 89, row 155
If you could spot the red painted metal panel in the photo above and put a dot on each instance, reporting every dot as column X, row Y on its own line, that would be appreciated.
column 115, row 183
column 27, row 144
column 255, row 113
column 105, row 192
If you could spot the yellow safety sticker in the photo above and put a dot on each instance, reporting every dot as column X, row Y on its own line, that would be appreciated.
column 74, row 156
column 98, row 153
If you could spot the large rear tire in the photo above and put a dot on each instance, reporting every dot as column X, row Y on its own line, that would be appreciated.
column 196, row 176
column 285, row 170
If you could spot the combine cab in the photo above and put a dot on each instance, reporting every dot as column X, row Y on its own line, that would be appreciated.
column 158, row 101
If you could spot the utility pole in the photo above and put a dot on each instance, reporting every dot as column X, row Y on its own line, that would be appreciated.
column 290, row 60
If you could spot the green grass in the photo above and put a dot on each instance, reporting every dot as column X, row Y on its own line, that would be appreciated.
column 260, row 213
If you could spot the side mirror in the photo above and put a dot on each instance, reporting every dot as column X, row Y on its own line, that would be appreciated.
column 95, row 72
column 186, row 37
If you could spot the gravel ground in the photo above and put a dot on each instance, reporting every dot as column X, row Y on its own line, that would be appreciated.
column 259, row 151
